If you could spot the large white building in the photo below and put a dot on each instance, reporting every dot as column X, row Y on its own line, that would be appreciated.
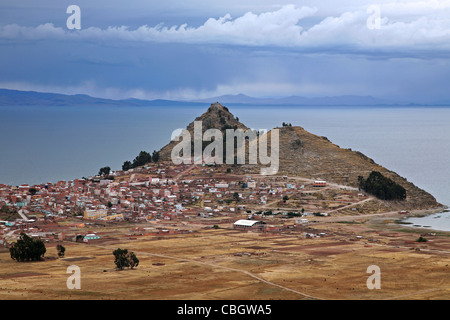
column 248, row 224
column 95, row 214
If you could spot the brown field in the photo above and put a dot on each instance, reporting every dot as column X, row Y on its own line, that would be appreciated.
column 230, row 264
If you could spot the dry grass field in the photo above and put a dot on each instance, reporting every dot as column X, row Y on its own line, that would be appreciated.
column 231, row 264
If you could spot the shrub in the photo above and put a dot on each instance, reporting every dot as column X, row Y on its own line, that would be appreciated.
column 61, row 250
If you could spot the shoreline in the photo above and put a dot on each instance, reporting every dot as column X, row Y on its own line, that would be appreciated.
column 423, row 214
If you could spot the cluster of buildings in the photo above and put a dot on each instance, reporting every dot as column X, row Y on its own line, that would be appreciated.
column 159, row 192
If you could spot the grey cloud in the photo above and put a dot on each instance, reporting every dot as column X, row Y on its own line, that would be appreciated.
column 347, row 32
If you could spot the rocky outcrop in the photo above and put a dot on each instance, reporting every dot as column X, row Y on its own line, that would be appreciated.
column 216, row 117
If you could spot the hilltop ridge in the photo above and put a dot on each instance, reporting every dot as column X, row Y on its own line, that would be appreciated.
column 217, row 116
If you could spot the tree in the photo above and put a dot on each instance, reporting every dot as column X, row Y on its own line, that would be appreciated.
column 236, row 197
column 124, row 259
column 143, row 158
column 61, row 250
column 126, row 166
column 155, row 156
column 27, row 249
column 120, row 258
column 132, row 260
column 104, row 171
column 32, row 191
column 285, row 198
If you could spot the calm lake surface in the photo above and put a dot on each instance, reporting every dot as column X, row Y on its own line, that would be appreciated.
column 48, row 144
column 436, row 221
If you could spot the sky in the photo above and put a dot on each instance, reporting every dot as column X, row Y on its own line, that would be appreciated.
column 187, row 50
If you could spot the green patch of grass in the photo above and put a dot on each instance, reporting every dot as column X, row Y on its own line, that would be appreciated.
column 349, row 222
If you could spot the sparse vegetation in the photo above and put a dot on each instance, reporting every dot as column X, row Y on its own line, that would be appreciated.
column 141, row 159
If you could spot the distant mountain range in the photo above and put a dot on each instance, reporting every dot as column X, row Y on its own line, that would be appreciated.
column 347, row 100
column 32, row 98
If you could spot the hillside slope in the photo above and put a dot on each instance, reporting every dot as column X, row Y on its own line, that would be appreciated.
column 307, row 155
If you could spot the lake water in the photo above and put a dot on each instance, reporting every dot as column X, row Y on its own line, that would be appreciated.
column 48, row 144
column 436, row 221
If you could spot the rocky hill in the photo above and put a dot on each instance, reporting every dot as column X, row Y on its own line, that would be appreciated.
column 216, row 117
column 310, row 156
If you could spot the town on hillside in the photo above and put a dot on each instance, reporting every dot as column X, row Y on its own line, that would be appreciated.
column 163, row 198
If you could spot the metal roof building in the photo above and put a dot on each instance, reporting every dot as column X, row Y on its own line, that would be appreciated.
column 248, row 224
